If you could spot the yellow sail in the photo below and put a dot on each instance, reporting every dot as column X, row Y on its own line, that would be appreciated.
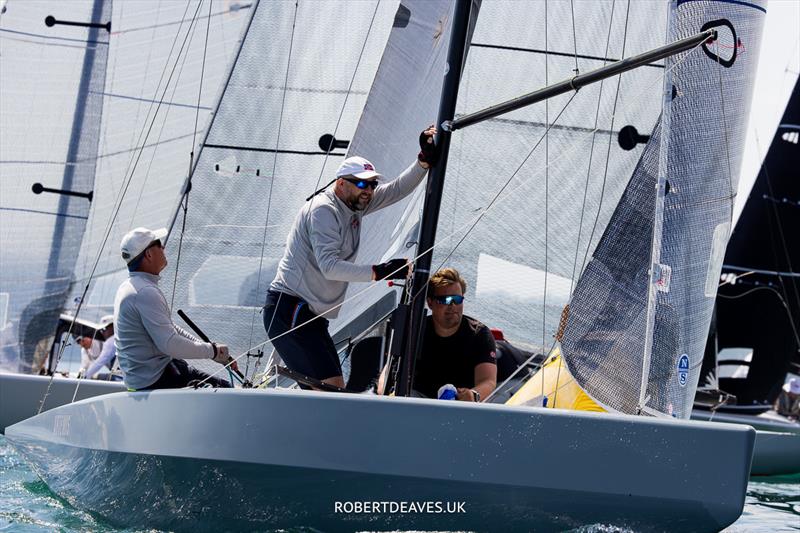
column 555, row 382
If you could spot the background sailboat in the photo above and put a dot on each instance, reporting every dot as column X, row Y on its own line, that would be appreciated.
column 758, row 308
column 163, row 68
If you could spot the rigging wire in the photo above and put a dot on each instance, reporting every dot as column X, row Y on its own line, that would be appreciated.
column 780, row 297
column 109, row 226
column 185, row 199
column 272, row 181
column 610, row 138
column 547, row 176
column 591, row 151
column 470, row 225
column 324, row 162
column 781, row 235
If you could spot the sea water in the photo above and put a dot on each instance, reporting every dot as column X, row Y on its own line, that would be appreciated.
column 27, row 505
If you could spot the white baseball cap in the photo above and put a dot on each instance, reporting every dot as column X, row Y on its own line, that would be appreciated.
column 793, row 386
column 358, row 167
column 106, row 320
column 137, row 240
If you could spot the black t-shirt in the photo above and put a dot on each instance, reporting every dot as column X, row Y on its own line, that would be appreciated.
column 453, row 359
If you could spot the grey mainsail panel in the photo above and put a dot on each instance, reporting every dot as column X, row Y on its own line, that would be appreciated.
column 304, row 70
column 163, row 58
column 534, row 238
column 52, row 79
column 698, row 155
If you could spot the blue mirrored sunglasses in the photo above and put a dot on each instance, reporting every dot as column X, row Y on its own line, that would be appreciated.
column 453, row 299
column 363, row 184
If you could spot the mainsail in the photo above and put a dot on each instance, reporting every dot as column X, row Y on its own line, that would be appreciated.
column 539, row 184
column 52, row 78
column 636, row 332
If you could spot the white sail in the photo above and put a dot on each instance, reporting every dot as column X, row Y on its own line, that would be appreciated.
column 297, row 76
column 52, row 78
column 166, row 64
column 636, row 333
column 547, row 194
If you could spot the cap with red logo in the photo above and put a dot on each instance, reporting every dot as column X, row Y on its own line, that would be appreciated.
column 358, row 167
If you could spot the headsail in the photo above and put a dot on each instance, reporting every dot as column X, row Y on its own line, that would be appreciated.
column 52, row 78
column 696, row 161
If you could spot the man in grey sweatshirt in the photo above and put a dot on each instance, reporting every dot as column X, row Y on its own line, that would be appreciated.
column 150, row 347
column 317, row 264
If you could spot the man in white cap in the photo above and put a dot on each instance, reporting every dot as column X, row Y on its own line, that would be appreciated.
column 149, row 345
column 109, row 352
column 318, row 262
column 788, row 402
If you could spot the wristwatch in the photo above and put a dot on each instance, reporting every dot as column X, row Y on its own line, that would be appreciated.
column 476, row 396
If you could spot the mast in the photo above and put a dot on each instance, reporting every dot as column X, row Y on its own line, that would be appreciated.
column 412, row 330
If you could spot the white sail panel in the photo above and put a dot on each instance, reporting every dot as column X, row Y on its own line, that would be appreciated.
column 303, row 71
column 561, row 189
column 167, row 61
column 51, row 79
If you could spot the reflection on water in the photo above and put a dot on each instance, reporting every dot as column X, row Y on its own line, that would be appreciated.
column 26, row 504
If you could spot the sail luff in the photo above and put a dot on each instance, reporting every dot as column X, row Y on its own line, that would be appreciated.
column 657, row 272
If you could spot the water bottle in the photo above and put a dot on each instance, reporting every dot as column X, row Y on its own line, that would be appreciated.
column 447, row 392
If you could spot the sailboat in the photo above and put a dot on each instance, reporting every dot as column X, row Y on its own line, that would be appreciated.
column 278, row 458
column 90, row 78
column 758, row 309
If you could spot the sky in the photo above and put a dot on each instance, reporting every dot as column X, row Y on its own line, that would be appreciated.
column 778, row 67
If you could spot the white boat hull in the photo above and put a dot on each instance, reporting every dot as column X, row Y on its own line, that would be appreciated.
column 777, row 448
column 243, row 459
column 22, row 394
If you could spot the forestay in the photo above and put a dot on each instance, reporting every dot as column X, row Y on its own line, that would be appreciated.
column 52, row 80
column 693, row 156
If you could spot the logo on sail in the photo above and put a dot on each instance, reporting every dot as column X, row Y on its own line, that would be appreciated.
column 683, row 369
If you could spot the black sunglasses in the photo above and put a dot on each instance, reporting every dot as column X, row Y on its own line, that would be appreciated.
column 363, row 184
column 453, row 299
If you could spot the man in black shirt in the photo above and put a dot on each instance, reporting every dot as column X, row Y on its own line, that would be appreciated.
column 457, row 349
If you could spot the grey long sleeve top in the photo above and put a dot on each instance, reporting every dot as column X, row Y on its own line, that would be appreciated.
column 323, row 243
column 146, row 337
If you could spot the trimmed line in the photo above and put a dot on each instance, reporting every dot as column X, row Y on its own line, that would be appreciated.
column 550, row 52
column 42, row 212
column 269, row 150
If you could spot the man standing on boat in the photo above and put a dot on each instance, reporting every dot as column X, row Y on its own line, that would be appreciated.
column 148, row 343
column 456, row 349
column 317, row 264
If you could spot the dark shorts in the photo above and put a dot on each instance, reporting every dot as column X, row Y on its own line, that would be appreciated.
column 308, row 350
column 178, row 374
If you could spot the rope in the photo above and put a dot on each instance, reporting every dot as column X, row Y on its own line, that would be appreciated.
column 185, row 199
